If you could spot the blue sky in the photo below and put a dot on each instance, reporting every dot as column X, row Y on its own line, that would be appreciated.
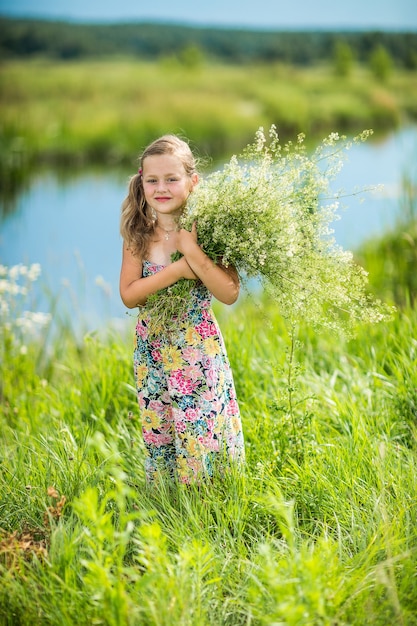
column 291, row 14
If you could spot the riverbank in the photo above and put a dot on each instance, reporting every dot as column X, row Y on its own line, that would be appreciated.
column 105, row 111
column 321, row 525
column 54, row 222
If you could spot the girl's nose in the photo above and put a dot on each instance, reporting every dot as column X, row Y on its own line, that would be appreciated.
column 161, row 186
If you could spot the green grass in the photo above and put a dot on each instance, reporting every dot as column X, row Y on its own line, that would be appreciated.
column 106, row 111
column 395, row 254
column 73, row 114
column 320, row 529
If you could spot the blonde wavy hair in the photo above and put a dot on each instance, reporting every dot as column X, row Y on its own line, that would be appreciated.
column 136, row 223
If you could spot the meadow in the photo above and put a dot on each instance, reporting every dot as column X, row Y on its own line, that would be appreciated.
column 95, row 112
column 104, row 111
column 320, row 528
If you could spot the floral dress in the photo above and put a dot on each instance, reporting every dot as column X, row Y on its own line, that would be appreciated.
column 187, row 399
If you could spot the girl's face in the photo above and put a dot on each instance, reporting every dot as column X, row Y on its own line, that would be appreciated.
column 166, row 184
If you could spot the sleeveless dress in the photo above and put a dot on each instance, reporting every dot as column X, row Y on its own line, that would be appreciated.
column 189, row 413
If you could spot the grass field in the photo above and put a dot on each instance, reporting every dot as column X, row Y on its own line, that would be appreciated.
column 320, row 529
column 105, row 111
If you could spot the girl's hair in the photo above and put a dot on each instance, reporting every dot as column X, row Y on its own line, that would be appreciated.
column 137, row 224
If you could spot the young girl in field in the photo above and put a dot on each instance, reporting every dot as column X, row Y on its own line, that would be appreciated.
column 187, row 400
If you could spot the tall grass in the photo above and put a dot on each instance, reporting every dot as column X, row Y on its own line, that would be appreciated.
column 104, row 112
column 107, row 110
column 320, row 528
column 396, row 253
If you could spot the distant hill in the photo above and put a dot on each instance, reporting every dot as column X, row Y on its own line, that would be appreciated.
column 68, row 40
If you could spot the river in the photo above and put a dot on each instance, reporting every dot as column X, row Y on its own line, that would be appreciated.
column 71, row 227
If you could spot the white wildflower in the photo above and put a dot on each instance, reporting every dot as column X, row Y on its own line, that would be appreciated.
column 34, row 272
column 41, row 319
column 14, row 272
column 29, row 321
column 263, row 214
column 19, row 325
column 11, row 288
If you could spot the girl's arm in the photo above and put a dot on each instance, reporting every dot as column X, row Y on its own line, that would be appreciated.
column 135, row 289
column 222, row 282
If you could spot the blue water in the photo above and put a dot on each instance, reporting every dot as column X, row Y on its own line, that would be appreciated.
column 371, row 164
column 72, row 227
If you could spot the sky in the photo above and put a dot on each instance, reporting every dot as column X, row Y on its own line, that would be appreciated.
column 270, row 14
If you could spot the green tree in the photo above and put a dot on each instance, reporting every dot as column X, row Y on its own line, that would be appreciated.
column 342, row 58
column 191, row 57
column 380, row 63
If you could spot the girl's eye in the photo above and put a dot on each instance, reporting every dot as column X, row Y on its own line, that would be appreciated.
column 152, row 181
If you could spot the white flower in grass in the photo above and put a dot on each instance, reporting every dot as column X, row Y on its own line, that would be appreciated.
column 11, row 288
column 14, row 272
column 41, row 319
column 4, row 308
column 30, row 321
column 34, row 272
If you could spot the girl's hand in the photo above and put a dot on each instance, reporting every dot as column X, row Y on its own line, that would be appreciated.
column 184, row 269
column 187, row 240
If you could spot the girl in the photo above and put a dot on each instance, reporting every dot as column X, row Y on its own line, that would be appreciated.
column 190, row 416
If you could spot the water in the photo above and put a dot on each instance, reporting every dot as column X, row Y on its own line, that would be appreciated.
column 72, row 227
column 384, row 162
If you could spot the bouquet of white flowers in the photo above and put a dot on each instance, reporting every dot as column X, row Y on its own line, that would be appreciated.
column 268, row 213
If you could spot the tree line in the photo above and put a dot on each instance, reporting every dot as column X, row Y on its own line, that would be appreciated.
column 190, row 44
